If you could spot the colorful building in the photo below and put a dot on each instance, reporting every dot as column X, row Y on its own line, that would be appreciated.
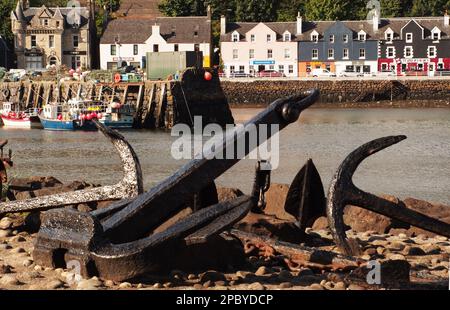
column 418, row 46
column 250, row 48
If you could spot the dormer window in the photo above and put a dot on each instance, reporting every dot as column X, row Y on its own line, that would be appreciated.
column 235, row 37
column 315, row 36
column 389, row 35
column 409, row 37
column 287, row 36
column 436, row 34
column 362, row 36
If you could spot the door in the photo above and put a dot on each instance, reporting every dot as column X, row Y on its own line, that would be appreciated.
column 431, row 69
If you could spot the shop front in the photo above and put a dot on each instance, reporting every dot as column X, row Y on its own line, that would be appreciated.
column 414, row 66
column 305, row 68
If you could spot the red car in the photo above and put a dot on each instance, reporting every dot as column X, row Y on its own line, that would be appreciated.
column 270, row 73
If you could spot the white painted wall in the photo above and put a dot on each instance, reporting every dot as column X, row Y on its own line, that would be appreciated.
column 260, row 47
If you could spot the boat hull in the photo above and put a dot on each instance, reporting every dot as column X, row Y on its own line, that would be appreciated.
column 22, row 123
column 57, row 125
column 117, row 124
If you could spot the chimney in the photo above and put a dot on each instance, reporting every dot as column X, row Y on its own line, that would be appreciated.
column 446, row 19
column 376, row 21
column 223, row 25
column 208, row 12
column 299, row 24
column 156, row 30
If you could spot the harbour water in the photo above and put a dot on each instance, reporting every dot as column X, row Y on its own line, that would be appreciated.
column 418, row 167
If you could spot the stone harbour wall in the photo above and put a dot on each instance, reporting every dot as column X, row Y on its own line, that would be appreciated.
column 340, row 92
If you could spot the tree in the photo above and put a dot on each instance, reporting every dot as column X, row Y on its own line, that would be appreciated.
column 256, row 10
column 391, row 8
column 6, row 7
column 329, row 9
column 288, row 9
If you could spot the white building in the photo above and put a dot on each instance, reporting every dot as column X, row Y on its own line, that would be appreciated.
column 250, row 48
column 127, row 41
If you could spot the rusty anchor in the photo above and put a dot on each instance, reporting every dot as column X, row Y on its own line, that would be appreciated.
column 117, row 243
column 343, row 192
column 130, row 186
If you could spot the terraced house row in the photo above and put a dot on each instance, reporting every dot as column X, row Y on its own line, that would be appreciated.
column 397, row 46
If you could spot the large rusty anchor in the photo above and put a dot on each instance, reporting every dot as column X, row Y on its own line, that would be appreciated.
column 130, row 186
column 117, row 243
column 343, row 192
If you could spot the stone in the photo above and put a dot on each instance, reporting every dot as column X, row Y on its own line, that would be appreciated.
column 370, row 251
column 198, row 286
column 396, row 246
column 18, row 250
column 212, row 276
column 316, row 287
column 413, row 251
column 27, row 262
column 18, row 239
column 5, row 233
column 354, row 287
column 285, row 285
column 285, row 275
column 6, row 223
column 392, row 256
column 9, row 279
column 109, row 283
column 256, row 287
column 340, row 286
column 125, row 285
column 54, row 284
column 158, row 285
column 431, row 249
column 192, row 276
column 227, row 194
column 207, row 284
column 90, row 284
column 381, row 251
column 305, row 272
column 38, row 268
column 140, row 286
column 168, row 284
column 320, row 224
column 263, row 270
column 221, row 283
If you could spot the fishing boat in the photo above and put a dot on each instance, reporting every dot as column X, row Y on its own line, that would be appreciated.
column 118, row 116
column 13, row 117
column 68, row 116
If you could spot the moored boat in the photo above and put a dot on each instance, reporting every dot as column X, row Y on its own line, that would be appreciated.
column 118, row 116
column 65, row 117
column 13, row 117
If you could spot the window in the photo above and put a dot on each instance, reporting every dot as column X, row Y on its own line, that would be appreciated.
column 362, row 53
column 252, row 38
column 195, row 34
column 113, row 50
column 281, row 68
column 315, row 54
column 197, row 47
column 33, row 62
column 75, row 41
column 135, row 49
column 251, row 54
column 271, row 67
column 345, row 53
column 390, row 52
column 436, row 35
column 409, row 37
column 252, row 69
column 76, row 62
column 269, row 38
column 270, row 53
column 287, row 37
column 315, row 37
column 287, row 53
column 155, row 48
column 432, row 52
column 176, row 47
column 408, row 52
column 51, row 41
column 57, row 24
column 384, row 67
column 291, row 69
column 232, row 69
column 362, row 36
column 235, row 37
column 235, row 54
column 331, row 38
column 389, row 36
column 45, row 22
column 330, row 53
column 33, row 41
column 345, row 38
column 53, row 61
column 241, row 69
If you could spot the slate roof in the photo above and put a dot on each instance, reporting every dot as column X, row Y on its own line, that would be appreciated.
column 396, row 24
column 84, row 14
column 173, row 30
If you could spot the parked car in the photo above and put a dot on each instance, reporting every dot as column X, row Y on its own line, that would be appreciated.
column 270, row 73
column 351, row 74
column 239, row 75
column 322, row 73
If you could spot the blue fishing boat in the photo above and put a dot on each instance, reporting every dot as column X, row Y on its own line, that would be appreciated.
column 118, row 116
column 65, row 117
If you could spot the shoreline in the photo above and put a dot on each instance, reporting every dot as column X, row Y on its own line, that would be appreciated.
column 407, row 104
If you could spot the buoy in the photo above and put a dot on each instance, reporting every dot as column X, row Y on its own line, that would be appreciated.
column 99, row 115
column 82, row 117
column 71, row 71
column 117, row 78
column 93, row 115
column 88, row 117
column 59, row 117
column 208, row 76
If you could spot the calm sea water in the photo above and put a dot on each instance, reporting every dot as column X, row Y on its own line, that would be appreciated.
column 418, row 167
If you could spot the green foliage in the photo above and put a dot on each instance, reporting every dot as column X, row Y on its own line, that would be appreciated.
column 6, row 6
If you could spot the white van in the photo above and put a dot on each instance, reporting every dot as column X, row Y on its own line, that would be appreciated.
column 322, row 73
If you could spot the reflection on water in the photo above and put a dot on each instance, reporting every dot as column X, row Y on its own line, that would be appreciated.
column 418, row 167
